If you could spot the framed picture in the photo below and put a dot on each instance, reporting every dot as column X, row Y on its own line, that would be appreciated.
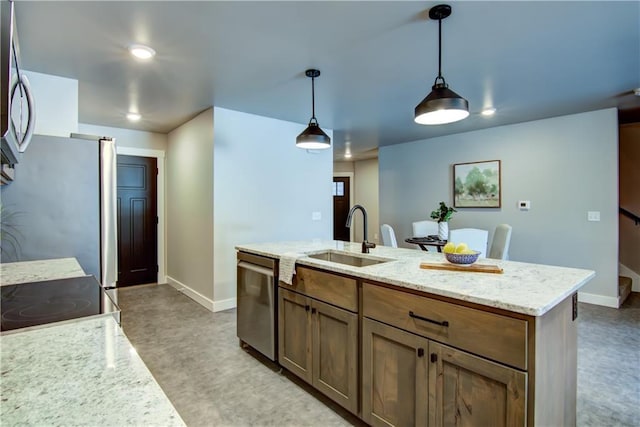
column 477, row 184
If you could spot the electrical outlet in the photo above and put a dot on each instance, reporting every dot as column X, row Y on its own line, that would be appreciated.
column 593, row 216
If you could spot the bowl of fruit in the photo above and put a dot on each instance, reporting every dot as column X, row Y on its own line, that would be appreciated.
column 460, row 254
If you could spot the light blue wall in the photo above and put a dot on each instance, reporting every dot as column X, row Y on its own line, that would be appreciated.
column 56, row 197
column 565, row 166
column 265, row 189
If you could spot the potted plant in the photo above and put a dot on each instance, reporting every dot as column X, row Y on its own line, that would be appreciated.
column 10, row 235
column 443, row 215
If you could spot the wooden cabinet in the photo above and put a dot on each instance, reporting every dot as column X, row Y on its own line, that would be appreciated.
column 480, row 332
column 397, row 357
column 319, row 343
column 411, row 378
column 295, row 333
column 408, row 380
column 394, row 376
column 468, row 390
column 335, row 353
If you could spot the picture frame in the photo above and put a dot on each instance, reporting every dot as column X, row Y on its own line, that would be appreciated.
column 477, row 184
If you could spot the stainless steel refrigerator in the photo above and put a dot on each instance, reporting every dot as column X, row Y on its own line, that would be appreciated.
column 62, row 204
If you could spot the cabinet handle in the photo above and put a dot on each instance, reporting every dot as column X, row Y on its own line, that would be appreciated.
column 313, row 311
column 420, row 352
column 434, row 357
column 435, row 322
column 306, row 307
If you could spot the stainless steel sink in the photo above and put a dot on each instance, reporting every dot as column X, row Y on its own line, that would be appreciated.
column 348, row 259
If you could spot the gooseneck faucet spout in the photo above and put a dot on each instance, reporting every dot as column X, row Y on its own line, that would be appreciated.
column 365, row 244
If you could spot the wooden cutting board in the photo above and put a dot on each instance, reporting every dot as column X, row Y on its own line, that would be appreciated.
column 475, row 268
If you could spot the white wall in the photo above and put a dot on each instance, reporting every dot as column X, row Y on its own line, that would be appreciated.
column 127, row 137
column 343, row 167
column 265, row 190
column 366, row 194
column 56, row 100
column 189, row 207
column 565, row 166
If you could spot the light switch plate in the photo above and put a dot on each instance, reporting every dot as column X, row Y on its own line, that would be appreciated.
column 593, row 216
column 316, row 216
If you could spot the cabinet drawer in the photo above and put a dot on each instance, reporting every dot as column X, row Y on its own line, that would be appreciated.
column 488, row 334
column 331, row 288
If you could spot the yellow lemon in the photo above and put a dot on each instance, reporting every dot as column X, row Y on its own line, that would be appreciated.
column 467, row 251
column 449, row 248
column 460, row 247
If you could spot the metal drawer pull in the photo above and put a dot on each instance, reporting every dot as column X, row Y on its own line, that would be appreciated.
column 435, row 322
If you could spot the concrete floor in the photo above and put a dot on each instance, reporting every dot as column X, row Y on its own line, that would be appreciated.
column 195, row 357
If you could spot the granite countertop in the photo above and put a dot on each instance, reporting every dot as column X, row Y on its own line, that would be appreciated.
column 531, row 289
column 79, row 374
column 14, row 273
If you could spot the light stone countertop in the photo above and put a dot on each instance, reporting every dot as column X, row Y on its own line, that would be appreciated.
column 85, row 373
column 14, row 273
column 531, row 289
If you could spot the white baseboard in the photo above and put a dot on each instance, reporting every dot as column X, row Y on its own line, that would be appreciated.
column 193, row 294
column 598, row 299
column 623, row 270
column 225, row 304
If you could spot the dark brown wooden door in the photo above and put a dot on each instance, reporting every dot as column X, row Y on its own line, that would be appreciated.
column 137, row 220
column 340, row 208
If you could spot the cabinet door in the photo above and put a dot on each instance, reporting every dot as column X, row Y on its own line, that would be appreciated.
column 467, row 390
column 335, row 353
column 294, row 327
column 394, row 376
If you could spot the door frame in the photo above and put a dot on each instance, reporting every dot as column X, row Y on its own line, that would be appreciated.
column 351, row 177
column 159, row 155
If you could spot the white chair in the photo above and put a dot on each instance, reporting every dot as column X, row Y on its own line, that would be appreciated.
column 475, row 238
column 424, row 228
column 500, row 243
column 388, row 236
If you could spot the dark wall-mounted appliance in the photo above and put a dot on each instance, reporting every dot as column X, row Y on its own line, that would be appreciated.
column 17, row 108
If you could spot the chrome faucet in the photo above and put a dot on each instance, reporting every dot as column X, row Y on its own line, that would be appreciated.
column 365, row 245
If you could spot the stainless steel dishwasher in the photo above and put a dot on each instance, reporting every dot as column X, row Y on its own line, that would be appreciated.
column 257, row 312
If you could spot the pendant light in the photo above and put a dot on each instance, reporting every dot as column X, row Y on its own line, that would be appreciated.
column 442, row 105
column 313, row 138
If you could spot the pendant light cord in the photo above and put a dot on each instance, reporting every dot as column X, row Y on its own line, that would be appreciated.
column 440, row 55
column 439, row 48
column 313, row 100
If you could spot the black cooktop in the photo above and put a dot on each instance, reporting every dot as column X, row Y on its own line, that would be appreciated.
column 39, row 303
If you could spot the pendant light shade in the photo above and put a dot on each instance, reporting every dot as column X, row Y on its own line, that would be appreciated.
column 442, row 105
column 313, row 138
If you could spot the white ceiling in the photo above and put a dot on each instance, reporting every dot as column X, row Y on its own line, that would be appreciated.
column 378, row 59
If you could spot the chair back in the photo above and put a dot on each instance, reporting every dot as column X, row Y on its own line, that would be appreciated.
column 500, row 243
column 475, row 238
column 388, row 236
column 424, row 228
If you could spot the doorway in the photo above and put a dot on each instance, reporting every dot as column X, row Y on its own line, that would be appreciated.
column 341, row 206
column 137, row 216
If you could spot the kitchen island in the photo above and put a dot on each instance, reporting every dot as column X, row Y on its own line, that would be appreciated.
column 429, row 347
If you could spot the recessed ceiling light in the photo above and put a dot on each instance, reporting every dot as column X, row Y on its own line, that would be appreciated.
column 141, row 51
column 133, row 117
column 488, row 111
